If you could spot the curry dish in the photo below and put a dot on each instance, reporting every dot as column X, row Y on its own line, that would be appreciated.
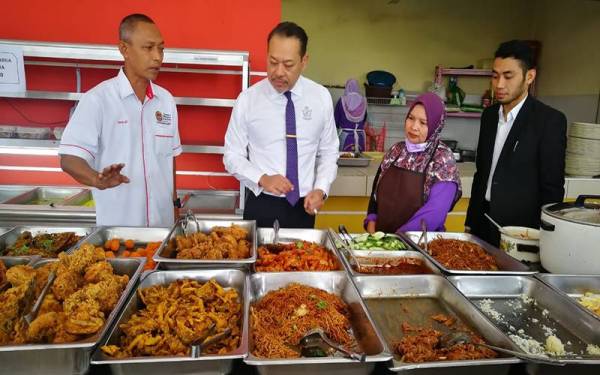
column 422, row 344
column 296, row 256
column 461, row 255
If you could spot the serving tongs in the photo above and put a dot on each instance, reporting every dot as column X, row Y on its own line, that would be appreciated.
column 456, row 338
column 347, row 241
column 189, row 217
column 206, row 340
column 30, row 317
column 424, row 237
column 317, row 339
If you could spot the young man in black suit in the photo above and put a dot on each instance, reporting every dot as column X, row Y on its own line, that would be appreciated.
column 521, row 151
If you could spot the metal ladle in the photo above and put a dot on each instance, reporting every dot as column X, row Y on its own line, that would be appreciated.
column 456, row 338
column 275, row 247
column 316, row 337
column 500, row 229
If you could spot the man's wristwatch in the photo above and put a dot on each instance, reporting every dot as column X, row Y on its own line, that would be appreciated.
column 177, row 203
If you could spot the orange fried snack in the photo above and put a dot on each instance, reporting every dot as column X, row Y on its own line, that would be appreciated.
column 175, row 315
column 297, row 256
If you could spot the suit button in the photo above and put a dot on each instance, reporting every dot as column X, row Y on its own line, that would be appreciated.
column 494, row 182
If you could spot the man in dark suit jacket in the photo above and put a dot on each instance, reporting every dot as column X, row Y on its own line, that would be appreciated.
column 521, row 152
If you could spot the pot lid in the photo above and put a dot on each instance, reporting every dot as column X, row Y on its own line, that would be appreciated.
column 578, row 211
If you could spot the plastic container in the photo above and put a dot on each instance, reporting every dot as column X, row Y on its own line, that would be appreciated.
column 58, row 132
column 8, row 131
column 33, row 133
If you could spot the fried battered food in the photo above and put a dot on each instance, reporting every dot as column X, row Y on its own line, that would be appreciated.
column 84, row 257
column 283, row 316
column 98, row 272
column 20, row 274
column 296, row 256
column 220, row 243
column 47, row 245
column 461, row 255
column 84, row 292
column 2, row 273
column 177, row 314
column 13, row 303
column 66, row 282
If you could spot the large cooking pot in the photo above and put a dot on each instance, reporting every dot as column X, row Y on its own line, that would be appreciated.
column 570, row 237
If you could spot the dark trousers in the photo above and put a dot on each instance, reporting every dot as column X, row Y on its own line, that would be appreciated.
column 266, row 208
column 486, row 230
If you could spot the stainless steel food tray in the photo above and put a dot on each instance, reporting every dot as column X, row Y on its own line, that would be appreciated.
column 426, row 295
column 55, row 195
column 69, row 358
column 19, row 261
column 287, row 235
column 507, row 265
column 360, row 161
column 140, row 236
column 205, row 364
column 337, row 283
column 573, row 286
column 165, row 254
column 9, row 238
column 516, row 303
column 385, row 254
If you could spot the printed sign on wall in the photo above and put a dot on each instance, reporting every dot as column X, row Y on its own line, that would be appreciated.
column 12, row 70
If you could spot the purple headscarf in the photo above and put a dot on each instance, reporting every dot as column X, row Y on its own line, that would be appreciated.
column 353, row 103
column 443, row 166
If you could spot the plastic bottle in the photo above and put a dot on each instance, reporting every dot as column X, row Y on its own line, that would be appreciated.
column 402, row 97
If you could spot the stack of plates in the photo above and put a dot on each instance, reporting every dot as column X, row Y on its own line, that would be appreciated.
column 583, row 150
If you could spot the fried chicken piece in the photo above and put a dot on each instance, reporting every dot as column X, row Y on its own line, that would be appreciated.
column 13, row 302
column 83, row 317
column 82, row 258
column 2, row 273
column 19, row 275
column 50, row 304
column 66, row 283
column 41, row 276
column 43, row 328
column 62, row 336
column 98, row 272
column 106, row 293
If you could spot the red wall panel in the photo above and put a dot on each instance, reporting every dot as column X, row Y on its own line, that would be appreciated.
column 203, row 24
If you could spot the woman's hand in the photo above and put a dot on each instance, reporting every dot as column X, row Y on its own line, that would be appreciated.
column 371, row 227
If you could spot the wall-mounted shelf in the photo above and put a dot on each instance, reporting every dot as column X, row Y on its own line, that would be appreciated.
column 464, row 114
column 93, row 56
column 465, row 72
column 75, row 96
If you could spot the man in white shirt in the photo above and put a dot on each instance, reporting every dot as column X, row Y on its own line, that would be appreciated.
column 521, row 150
column 123, row 136
column 281, row 142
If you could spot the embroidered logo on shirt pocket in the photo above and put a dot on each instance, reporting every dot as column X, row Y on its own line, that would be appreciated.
column 122, row 122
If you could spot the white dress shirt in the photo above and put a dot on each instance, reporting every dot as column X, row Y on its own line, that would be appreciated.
column 110, row 126
column 255, row 142
column 502, row 132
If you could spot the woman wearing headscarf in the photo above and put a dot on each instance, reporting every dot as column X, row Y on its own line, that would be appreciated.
column 418, row 178
column 350, row 115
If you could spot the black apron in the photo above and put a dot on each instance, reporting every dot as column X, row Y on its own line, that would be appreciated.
column 400, row 193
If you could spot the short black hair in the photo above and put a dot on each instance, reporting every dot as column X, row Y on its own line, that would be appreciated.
column 128, row 24
column 291, row 30
column 518, row 50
